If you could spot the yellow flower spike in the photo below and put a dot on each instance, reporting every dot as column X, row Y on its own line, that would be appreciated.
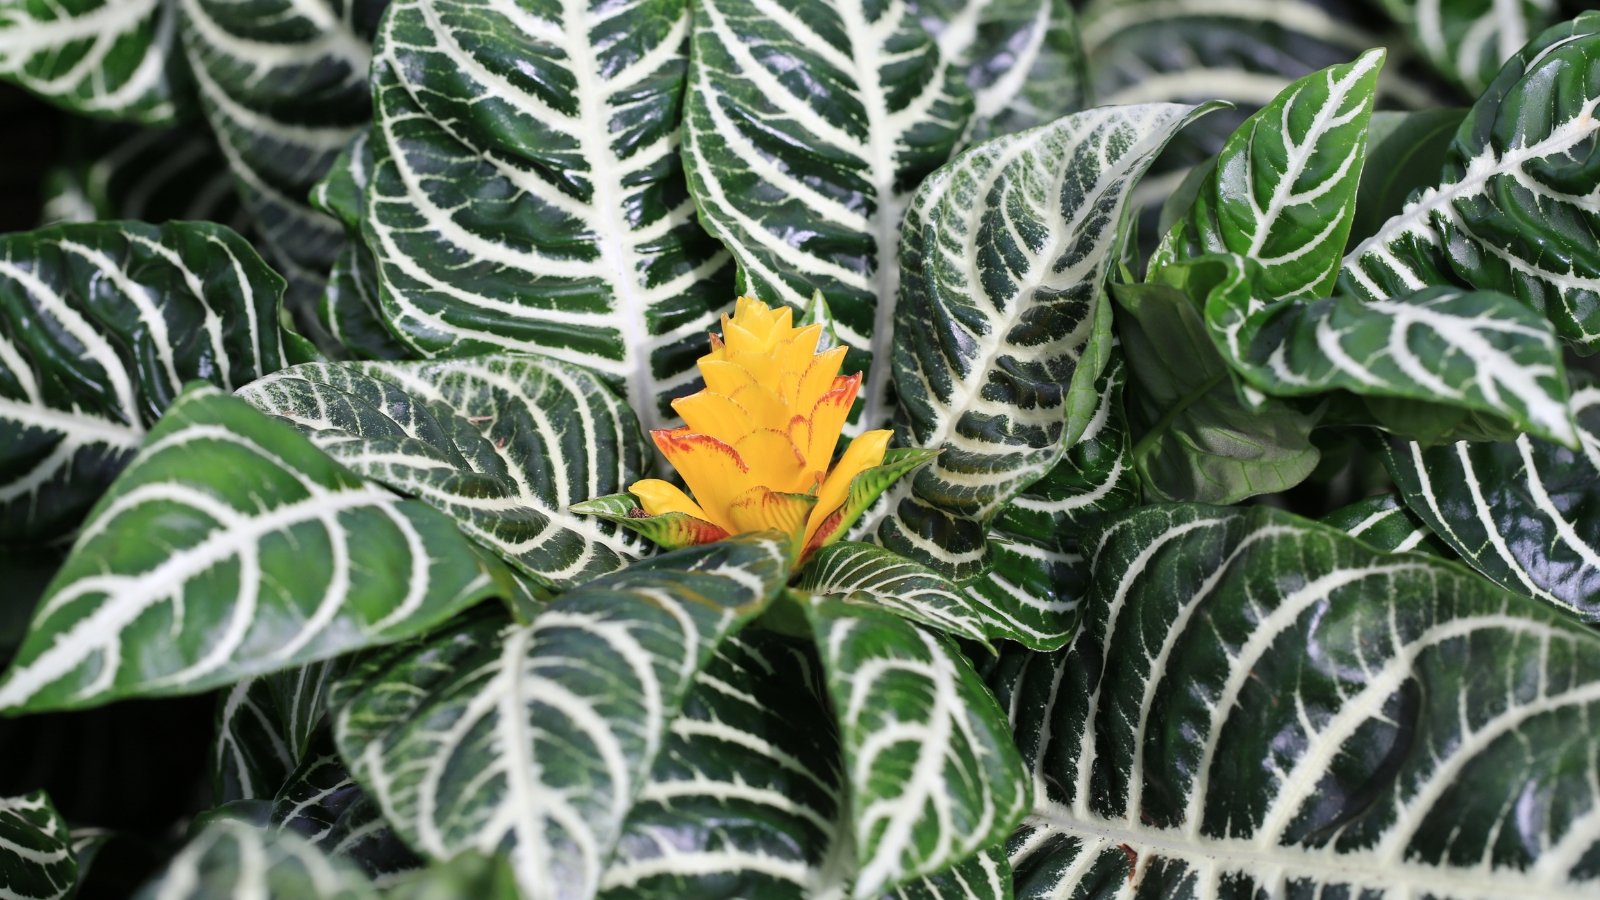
column 757, row 448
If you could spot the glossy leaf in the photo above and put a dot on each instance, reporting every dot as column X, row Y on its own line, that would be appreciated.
column 350, row 312
column 1406, row 148
column 117, row 171
column 1384, row 522
column 503, row 444
column 932, row 772
column 1002, row 328
column 1526, row 513
column 1514, row 209
column 534, row 741
column 1283, row 189
column 1257, row 703
column 230, row 858
column 870, row 576
column 322, row 803
column 745, row 796
column 101, row 325
column 233, row 547
column 36, row 858
column 805, row 179
column 265, row 727
column 576, row 237
column 986, row 876
column 114, row 59
column 1466, row 41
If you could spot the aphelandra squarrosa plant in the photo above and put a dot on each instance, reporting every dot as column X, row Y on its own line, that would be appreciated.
column 920, row 582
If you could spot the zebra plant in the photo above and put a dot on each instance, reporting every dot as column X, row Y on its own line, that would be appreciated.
column 654, row 450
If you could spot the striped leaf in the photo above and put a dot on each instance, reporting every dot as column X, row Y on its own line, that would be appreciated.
column 1023, row 60
column 745, row 797
column 1467, row 41
column 986, row 876
column 577, row 238
column 1406, row 148
column 230, row 858
column 805, row 179
column 1002, row 329
column 265, row 727
column 1033, row 586
column 1525, row 513
column 502, row 444
column 283, row 86
column 1449, row 356
column 1283, row 189
column 1384, row 522
column 1524, row 146
column 534, row 741
column 870, row 576
column 350, row 312
column 322, row 803
column 233, row 547
column 1257, row 704
column 116, row 171
column 114, row 59
column 101, row 325
column 932, row 772
column 36, row 858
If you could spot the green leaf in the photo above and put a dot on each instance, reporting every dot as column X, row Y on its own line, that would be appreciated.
column 1479, row 352
column 1258, row 703
column 1514, row 207
column 1196, row 439
column 534, row 741
column 805, row 133
column 113, row 59
column 322, row 803
column 986, row 876
column 1467, row 41
column 745, row 798
column 232, row 547
column 1032, row 585
column 1385, row 523
column 283, row 86
column 527, row 195
column 101, row 325
column 1525, row 513
column 265, row 727
column 117, row 171
column 502, row 444
column 1023, row 59
column 1283, row 190
column 870, row 576
column 350, row 312
column 1001, row 331
column 1407, row 147
column 235, row 859
column 932, row 772
column 36, row 860
column 468, row 875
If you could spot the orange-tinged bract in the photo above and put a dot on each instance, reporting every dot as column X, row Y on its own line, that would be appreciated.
column 757, row 443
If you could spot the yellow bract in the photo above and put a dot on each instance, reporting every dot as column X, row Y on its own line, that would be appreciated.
column 757, row 443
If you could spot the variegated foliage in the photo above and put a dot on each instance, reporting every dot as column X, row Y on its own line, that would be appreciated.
column 111, row 59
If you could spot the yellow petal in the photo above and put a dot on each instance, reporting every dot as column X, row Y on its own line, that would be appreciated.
column 714, row 471
column 724, row 377
column 714, row 414
column 764, row 407
column 773, row 460
column 658, row 498
column 818, row 378
column 863, row 453
column 760, row 509
column 827, row 419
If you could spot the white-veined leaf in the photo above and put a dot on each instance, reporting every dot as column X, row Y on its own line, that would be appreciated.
column 322, row 803
column 1032, row 587
column 36, row 859
column 350, row 312
column 1525, row 513
column 1002, row 328
column 231, row 547
column 932, row 773
column 1282, row 191
column 284, row 87
column 1259, row 704
column 1518, row 201
column 577, row 236
column 115, row 59
column 745, row 798
column 986, row 876
column 503, row 444
column 1467, row 41
column 101, row 325
column 264, row 732
column 1384, row 522
column 805, row 177
column 230, row 858
column 873, row 577
column 116, row 171
column 534, row 741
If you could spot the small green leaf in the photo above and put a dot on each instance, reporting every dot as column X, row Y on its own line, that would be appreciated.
column 265, row 726
column 113, row 59
column 870, row 576
column 36, row 859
